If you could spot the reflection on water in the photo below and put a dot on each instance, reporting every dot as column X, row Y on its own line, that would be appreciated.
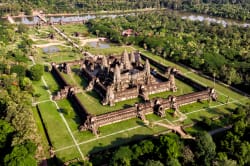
column 65, row 19
column 81, row 18
column 213, row 20
column 98, row 44
column 50, row 49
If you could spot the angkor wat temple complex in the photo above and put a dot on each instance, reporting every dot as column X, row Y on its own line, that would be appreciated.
column 119, row 78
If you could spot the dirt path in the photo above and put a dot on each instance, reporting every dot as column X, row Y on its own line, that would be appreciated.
column 52, row 44
column 177, row 129
column 84, row 41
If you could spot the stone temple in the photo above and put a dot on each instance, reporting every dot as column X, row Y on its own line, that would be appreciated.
column 119, row 78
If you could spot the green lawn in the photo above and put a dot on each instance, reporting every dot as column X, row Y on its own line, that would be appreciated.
column 69, row 114
column 112, row 50
column 56, row 128
column 69, row 29
column 93, row 104
column 40, row 128
column 133, row 129
column 52, row 84
column 41, row 90
column 68, row 154
column 64, row 54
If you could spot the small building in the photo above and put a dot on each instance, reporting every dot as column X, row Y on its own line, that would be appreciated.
column 128, row 32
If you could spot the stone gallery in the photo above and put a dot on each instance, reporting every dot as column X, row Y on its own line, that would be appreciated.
column 124, row 77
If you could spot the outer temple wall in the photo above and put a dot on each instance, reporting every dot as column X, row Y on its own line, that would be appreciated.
column 132, row 112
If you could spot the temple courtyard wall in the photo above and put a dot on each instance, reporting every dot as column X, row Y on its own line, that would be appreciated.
column 157, row 106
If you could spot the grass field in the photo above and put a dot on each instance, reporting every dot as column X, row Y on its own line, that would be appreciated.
column 69, row 29
column 64, row 54
column 62, row 138
column 112, row 50
column 59, row 135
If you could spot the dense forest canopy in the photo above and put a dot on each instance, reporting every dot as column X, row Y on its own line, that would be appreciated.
column 237, row 9
column 19, row 138
column 228, row 148
column 222, row 52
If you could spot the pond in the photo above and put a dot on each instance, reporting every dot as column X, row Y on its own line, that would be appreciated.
column 97, row 44
column 50, row 49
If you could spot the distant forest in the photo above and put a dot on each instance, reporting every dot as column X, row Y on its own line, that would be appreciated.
column 218, row 51
column 236, row 9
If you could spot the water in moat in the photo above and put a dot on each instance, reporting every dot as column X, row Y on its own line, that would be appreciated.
column 214, row 20
column 50, row 49
column 183, row 15
column 65, row 19
column 96, row 44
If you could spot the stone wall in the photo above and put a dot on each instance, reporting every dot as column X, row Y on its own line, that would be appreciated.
column 178, row 75
column 79, row 107
column 157, row 106
column 155, row 63
column 126, row 95
column 190, row 82
column 59, row 78
column 159, row 87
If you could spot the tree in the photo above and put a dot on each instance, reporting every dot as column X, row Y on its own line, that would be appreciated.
column 21, row 155
column 223, row 160
column 36, row 72
column 187, row 155
column 205, row 148
column 19, row 70
column 243, row 153
column 5, row 131
column 26, row 84
column 122, row 156
column 153, row 163
column 22, row 28
column 173, row 162
column 26, row 44
column 170, row 146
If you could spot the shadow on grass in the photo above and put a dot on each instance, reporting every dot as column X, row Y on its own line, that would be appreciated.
column 44, row 87
column 94, row 95
column 55, row 161
column 141, row 123
column 83, row 82
column 72, row 115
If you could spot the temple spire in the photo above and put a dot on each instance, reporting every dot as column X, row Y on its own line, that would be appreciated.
column 126, row 61
column 132, row 57
column 147, row 68
column 147, row 76
column 104, row 61
column 117, row 74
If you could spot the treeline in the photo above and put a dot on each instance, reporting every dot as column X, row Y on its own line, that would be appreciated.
column 223, row 52
column 18, row 131
column 236, row 9
column 228, row 148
